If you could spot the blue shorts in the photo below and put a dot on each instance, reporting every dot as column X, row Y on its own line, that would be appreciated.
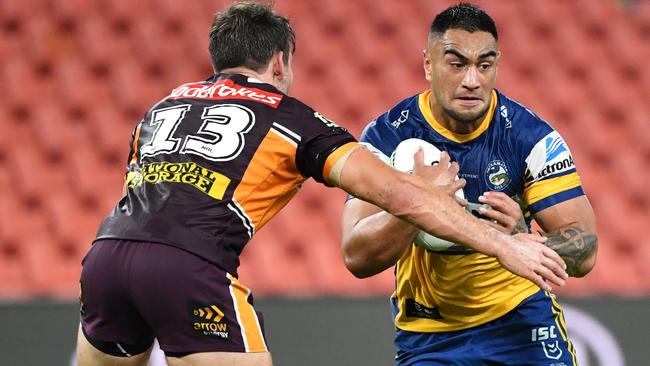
column 534, row 333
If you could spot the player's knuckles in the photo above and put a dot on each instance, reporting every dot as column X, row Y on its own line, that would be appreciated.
column 501, row 218
column 552, row 254
column 500, row 196
column 458, row 184
column 489, row 213
column 499, row 205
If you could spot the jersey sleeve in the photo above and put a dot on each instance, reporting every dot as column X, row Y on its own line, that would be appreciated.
column 322, row 142
column 550, row 172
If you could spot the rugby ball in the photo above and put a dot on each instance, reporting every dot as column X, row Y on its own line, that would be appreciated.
column 403, row 160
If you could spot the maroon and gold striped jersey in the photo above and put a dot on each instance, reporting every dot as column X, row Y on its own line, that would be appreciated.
column 214, row 161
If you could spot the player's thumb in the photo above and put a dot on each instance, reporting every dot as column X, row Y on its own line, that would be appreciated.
column 418, row 158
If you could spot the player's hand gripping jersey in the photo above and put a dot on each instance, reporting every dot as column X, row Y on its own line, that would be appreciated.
column 215, row 161
column 512, row 151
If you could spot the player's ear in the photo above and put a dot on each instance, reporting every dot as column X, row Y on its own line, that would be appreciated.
column 427, row 65
column 278, row 66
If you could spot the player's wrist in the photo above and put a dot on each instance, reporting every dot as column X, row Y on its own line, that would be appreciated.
column 500, row 243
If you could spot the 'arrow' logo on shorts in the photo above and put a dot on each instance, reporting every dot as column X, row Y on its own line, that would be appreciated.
column 211, row 312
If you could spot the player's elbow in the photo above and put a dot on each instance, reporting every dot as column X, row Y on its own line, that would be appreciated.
column 358, row 264
column 356, row 267
column 363, row 264
column 590, row 259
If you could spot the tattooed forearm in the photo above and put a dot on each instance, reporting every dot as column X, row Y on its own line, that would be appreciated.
column 574, row 245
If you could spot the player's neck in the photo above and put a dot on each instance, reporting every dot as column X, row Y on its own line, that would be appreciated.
column 265, row 77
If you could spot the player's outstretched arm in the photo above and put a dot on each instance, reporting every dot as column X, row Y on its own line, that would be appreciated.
column 571, row 230
column 412, row 199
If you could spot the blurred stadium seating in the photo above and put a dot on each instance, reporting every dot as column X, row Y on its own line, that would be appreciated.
column 78, row 75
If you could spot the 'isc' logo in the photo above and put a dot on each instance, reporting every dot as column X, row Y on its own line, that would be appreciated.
column 543, row 333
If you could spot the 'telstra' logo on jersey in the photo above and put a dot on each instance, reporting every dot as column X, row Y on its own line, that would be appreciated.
column 225, row 89
column 550, row 156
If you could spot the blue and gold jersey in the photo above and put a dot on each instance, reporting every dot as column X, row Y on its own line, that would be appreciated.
column 512, row 151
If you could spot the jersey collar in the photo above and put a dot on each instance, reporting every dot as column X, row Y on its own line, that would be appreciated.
column 425, row 109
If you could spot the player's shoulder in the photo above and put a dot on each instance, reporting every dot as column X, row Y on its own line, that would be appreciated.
column 296, row 106
column 400, row 112
column 527, row 127
column 397, row 123
column 547, row 154
column 397, row 115
column 307, row 117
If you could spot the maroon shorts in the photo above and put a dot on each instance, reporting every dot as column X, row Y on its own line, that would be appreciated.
column 134, row 291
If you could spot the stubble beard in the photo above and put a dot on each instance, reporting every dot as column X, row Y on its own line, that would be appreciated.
column 466, row 118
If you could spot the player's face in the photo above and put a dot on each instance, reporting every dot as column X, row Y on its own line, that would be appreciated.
column 462, row 69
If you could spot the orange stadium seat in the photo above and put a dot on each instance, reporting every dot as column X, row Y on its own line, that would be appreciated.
column 53, row 130
column 14, row 281
column 281, row 261
column 88, row 177
column 641, row 17
column 21, row 79
column 72, row 221
column 14, row 278
column 169, row 11
column 22, row 220
column 71, row 9
column 54, row 267
column 111, row 129
column 102, row 43
column 79, row 75
column 75, row 83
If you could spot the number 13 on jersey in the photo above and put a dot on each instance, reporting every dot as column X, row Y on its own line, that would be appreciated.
column 219, row 138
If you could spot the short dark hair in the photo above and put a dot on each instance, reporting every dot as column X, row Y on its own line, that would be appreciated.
column 248, row 34
column 463, row 16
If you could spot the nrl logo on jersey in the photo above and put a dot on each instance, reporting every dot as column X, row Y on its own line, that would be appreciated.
column 549, row 157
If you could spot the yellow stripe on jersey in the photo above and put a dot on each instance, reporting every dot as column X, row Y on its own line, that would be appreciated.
column 251, row 330
column 546, row 188
column 561, row 325
column 425, row 109
column 466, row 290
column 557, row 310
column 334, row 157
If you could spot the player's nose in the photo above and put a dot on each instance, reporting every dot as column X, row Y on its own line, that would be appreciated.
column 470, row 79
